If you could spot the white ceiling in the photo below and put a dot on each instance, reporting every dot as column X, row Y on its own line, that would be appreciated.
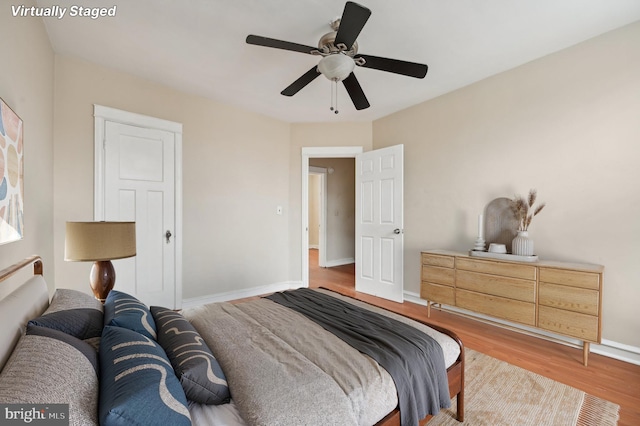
column 198, row 46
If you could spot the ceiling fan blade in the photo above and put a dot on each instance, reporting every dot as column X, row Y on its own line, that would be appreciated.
column 396, row 66
column 355, row 92
column 279, row 44
column 353, row 19
column 300, row 83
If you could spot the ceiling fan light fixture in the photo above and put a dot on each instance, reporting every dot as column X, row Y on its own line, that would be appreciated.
column 336, row 67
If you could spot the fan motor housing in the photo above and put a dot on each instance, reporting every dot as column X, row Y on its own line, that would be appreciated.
column 327, row 45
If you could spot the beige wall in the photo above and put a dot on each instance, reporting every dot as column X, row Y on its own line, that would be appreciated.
column 235, row 174
column 26, row 85
column 567, row 124
column 315, row 135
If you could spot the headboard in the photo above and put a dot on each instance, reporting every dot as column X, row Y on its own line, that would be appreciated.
column 28, row 301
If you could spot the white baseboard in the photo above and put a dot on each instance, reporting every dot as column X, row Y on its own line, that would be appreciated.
column 240, row 294
column 314, row 247
column 340, row 262
column 608, row 348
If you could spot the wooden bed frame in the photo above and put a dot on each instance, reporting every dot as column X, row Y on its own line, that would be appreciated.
column 455, row 372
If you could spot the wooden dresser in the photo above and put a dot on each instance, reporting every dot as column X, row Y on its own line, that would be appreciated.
column 563, row 298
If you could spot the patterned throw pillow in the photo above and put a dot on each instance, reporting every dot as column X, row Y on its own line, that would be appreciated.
column 137, row 383
column 123, row 310
column 51, row 367
column 73, row 312
column 200, row 374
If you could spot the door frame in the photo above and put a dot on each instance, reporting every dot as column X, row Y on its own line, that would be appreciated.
column 316, row 152
column 322, row 235
column 102, row 114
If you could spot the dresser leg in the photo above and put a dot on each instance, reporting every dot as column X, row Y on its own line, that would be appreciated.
column 585, row 352
column 428, row 309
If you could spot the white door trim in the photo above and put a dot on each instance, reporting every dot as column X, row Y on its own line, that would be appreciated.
column 316, row 152
column 322, row 237
column 101, row 115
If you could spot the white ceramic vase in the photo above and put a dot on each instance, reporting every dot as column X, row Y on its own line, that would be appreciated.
column 522, row 245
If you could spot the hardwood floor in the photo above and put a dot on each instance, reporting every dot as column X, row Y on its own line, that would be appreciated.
column 613, row 380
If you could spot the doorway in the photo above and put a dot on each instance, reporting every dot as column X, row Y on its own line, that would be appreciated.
column 308, row 153
column 379, row 239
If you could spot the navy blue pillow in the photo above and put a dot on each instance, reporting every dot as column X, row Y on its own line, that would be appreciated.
column 123, row 310
column 137, row 383
column 200, row 374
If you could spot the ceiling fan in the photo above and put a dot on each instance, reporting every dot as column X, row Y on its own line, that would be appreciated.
column 339, row 51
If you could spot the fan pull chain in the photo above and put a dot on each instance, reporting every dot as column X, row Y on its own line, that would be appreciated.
column 334, row 100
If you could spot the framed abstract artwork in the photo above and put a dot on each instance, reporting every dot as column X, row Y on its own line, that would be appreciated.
column 11, row 175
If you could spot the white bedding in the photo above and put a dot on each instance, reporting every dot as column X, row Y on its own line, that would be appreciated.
column 215, row 415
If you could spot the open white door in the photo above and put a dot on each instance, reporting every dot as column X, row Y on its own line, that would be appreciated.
column 379, row 223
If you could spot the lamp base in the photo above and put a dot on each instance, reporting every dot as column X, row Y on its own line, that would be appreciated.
column 102, row 279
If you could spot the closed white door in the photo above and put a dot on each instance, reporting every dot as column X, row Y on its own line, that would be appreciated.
column 379, row 223
column 139, row 182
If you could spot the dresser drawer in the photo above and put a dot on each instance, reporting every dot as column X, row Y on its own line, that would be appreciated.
column 437, row 293
column 511, row 288
column 582, row 326
column 499, row 307
column 435, row 274
column 580, row 279
column 515, row 270
column 438, row 260
column 569, row 298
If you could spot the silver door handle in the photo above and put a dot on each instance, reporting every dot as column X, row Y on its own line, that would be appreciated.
column 396, row 231
column 167, row 235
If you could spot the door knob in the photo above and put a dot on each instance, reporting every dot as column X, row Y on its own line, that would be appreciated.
column 167, row 235
column 396, row 231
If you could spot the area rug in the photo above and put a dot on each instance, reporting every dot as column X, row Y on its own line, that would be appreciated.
column 498, row 393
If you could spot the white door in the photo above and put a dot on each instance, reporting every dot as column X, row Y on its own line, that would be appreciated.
column 139, row 185
column 379, row 223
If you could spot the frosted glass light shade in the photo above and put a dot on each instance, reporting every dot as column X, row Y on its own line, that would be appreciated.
column 336, row 67
column 96, row 241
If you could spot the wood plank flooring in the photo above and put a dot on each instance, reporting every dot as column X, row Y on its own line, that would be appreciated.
column 613, row 380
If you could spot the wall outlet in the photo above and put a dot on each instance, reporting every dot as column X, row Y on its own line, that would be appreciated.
column 279, row 210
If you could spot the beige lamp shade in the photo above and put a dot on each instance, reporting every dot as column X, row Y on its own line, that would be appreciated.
column 96, row 241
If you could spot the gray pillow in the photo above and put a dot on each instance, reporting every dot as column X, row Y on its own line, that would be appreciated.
column 200, row 374
column 51, row 367
column 74, row 313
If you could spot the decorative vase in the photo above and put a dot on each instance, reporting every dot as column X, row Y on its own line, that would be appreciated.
column 522, row 245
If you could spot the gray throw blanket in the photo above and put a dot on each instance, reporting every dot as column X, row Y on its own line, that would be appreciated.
column 413, row 359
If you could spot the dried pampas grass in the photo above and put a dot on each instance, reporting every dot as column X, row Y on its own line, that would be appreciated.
column 523, row 209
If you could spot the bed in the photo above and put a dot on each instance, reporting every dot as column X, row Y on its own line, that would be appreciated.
column 260, row 362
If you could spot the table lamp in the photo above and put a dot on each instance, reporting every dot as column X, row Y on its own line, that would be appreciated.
column 100, row 242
